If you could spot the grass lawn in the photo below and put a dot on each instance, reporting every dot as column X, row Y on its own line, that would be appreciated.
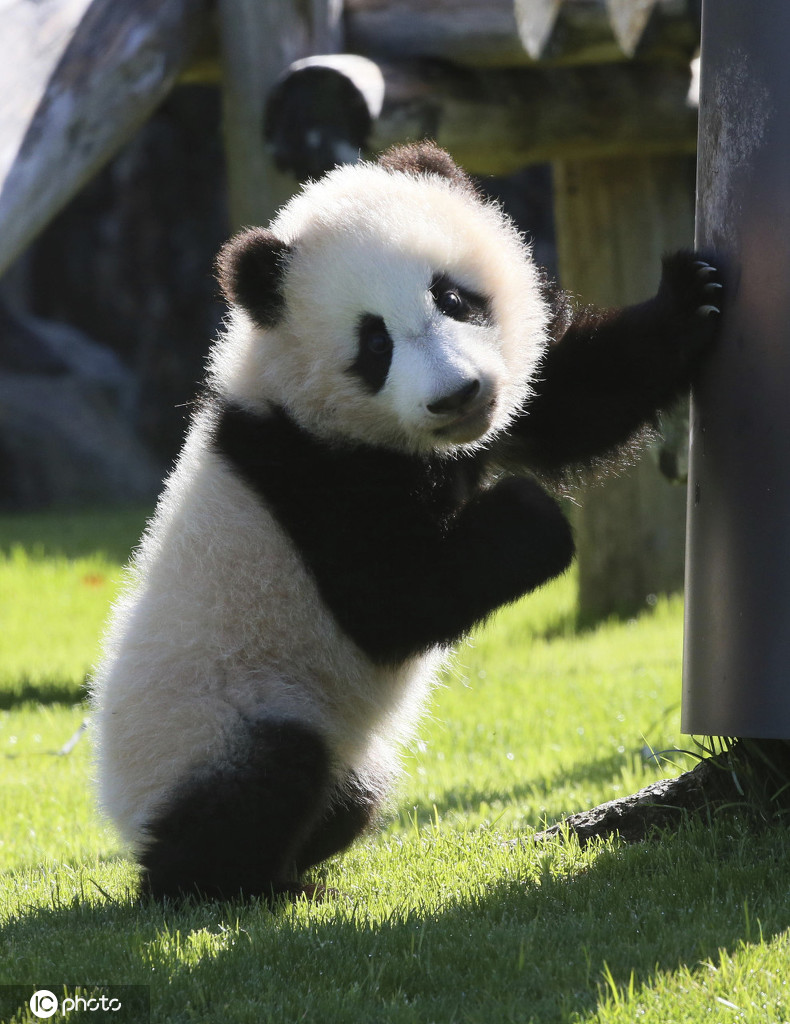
column 450, row 912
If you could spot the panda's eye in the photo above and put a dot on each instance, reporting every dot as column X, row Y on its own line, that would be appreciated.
column 459, row 303
column 450, row 303
column 378, row 342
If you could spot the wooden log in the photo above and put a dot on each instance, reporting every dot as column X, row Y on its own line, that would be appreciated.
column 513, row 32
column 500, row 121
column 78, row 77
column 321, row 113
column 614, row 220
column 258, row 42
column 496, row 121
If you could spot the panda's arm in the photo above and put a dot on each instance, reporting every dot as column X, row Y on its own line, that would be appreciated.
column 431, row 584
column 608, row 373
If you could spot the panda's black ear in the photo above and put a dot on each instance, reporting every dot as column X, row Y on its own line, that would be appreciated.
column 250, row 270
column 426, row 158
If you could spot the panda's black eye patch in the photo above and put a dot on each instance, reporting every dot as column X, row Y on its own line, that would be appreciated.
column 374, row 352
column 459, row 303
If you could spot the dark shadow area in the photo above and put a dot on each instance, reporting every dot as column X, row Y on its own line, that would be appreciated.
column 588, row 623
column 48, row 692
column 463, row 800
column 75, row 533
column 573, row 622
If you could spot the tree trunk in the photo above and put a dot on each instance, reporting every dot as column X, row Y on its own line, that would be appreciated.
column 615, row 218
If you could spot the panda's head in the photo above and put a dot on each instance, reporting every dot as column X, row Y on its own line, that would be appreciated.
column 386, row 303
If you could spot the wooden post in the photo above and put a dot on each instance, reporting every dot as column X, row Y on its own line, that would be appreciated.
column 259, row 40
column 615, row 218
column 737, row 645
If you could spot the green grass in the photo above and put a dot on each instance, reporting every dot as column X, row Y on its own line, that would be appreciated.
column 450, row 912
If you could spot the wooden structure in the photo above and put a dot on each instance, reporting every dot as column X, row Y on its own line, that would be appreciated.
column 596, row 87
column 501, row 83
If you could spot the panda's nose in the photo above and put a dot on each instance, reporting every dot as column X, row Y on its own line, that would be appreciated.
column 457, row 400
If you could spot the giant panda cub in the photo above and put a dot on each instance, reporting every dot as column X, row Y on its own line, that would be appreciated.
column 355, row 493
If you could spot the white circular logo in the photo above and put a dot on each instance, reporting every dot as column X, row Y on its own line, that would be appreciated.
column 44, row 1003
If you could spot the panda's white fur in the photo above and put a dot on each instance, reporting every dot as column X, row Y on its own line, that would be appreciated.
column 220, row 620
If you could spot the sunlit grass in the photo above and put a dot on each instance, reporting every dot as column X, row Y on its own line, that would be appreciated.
column 450, row 912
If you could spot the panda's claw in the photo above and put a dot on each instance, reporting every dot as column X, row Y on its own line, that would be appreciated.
column 705, row 270
column 712, row 287
column 708, row 310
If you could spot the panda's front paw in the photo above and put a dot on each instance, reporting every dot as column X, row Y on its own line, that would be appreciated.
column 710, row 287
column 690, row 300
column 691, row 287
column 526, row 530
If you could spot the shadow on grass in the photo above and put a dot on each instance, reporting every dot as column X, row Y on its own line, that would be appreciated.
column 593, row 775
column 544, row 951
column 75, row 533
column 47, row 692
column 573, row 623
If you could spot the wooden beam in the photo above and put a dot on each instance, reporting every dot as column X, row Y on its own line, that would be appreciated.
column 496, row 121
column 518, row 32
column 465, row 31
column 77, row 79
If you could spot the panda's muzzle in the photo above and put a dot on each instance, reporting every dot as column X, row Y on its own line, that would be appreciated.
column 457, row 401
column 465, row 412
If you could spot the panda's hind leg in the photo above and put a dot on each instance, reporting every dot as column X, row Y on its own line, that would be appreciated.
column 237, row 829
column 350, row 812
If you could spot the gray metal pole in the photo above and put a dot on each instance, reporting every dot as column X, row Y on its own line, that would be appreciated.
column 737, row 644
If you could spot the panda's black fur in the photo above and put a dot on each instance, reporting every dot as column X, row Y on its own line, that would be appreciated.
column 302, row 580
column 395, row 578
